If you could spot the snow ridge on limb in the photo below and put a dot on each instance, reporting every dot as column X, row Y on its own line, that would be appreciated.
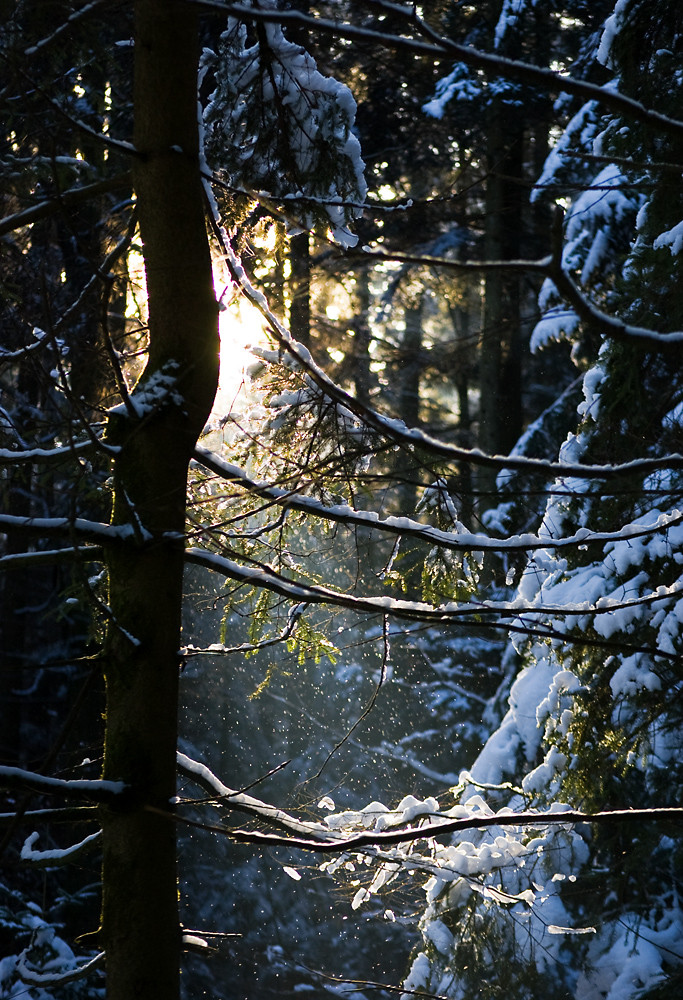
column 238, row 801
column 98, row 790
column 56, row 856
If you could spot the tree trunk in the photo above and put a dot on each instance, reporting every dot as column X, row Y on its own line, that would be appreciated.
column 300, row 288
column 500, row 418
column 140, row 924
column 361, row 337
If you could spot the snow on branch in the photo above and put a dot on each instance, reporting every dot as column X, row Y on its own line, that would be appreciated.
column 218, row 649
column 242, row 802
column 460, row 541
column 67, row 199
column 505, row 818
column 79, row 788
column 404, row 839
column 78, row 527
column 32, row 977
column 15, row 560
column 608, row 326
column 10, row 456
column 66, row 26
column 56, row 856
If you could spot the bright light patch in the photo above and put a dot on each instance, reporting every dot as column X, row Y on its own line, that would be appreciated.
column 240, row 325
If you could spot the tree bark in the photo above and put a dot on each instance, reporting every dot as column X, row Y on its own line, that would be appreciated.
column 500, row 420
column 140, row 923
column 300, row 288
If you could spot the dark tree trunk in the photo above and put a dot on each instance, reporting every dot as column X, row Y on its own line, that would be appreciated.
column 500, row 412
column 300, row 288
column 140, row 925
column 361, row 337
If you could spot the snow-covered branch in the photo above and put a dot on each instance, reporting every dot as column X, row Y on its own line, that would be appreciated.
column 511, row 616
column 460, row 541
column 57, row 856
column 341, row 834
column 65, row 527
column 602, row 322
column 238, row 801
column 15, row 560
column 438, row 47
column 218, row 649
column 10, row 456
column 65, row 200
column 78, row 788
column 33, row 977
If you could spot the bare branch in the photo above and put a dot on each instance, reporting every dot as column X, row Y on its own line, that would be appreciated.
column 65, row 200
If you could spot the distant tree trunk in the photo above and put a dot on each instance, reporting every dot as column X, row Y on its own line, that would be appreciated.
column 461, row 370
column 500, row 413
column 276, row 279
column 361, row 337
column 300, row 288
column 140, row 925
column 408, row 402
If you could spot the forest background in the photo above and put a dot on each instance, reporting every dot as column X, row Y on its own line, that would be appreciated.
column 375, row 652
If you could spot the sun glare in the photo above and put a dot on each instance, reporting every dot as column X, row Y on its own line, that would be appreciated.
column 240, row 327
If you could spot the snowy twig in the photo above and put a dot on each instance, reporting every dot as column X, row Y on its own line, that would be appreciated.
column 218, row 649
